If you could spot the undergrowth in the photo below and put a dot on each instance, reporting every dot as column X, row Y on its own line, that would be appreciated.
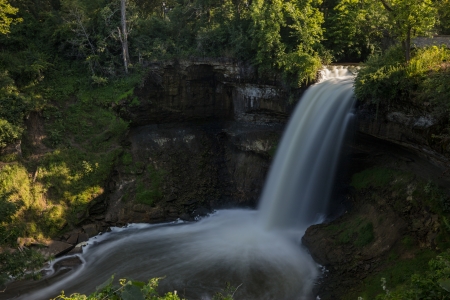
column 136, row 290
column 49, row 190
column 407, row 275
column 398, row 274
column 388, row 79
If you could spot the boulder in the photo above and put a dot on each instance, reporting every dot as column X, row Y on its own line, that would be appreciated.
column 91, row 230
column 73, row 239
column 56, row 248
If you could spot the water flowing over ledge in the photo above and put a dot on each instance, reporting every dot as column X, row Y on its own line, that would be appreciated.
column 300, row 180
column 252, row 248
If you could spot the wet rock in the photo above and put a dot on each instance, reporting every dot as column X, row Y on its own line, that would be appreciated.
column 69, row 262
column 186, row 217
column 56, row 248
column 140, row 208
column 73, row 239
column 83, row 237
column 201, row 212
column 78, row 249
column 91, row 230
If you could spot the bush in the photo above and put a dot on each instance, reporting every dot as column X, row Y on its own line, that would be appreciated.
column 20, row 264
column 386, row 78
column 8, row 133
column 134, row 290
column 434, row 284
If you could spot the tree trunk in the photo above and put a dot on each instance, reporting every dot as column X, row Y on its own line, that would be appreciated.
column 408, row 46
column 124, row 35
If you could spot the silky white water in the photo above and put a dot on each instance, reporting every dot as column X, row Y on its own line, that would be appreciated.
column 257, row 251
column 299, row 184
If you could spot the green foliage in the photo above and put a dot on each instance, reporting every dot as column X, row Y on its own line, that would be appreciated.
column 273, row 150
column 227, row 293
column 433, row 284
column 286, row 35
column 397, row 274
column 7, row 208
column 354, row 28
column 436, row 198
column 407, row 241
column 360, row 28
column 373, row 177
column 7, row 13
column 136, row 290
column 8, row 133
column 127, row 159
column 435, row 87
column 127, row 290
column 20, row 264
column 443, row 7
column 387, row 78
column 365, row 235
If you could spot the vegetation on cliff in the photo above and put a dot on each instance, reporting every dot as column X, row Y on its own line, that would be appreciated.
column 387, row 78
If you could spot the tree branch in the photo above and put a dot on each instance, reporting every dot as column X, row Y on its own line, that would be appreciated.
column 386, row 6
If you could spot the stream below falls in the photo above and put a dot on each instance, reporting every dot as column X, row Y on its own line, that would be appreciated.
column 196, row 259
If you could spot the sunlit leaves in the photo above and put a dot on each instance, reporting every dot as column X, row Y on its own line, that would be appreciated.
column 285, row 37
column 7, row 13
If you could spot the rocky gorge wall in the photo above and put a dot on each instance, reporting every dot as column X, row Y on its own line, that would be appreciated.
column 202, row 136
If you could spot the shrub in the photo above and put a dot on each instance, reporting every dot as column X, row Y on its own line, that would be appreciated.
column 8, row 133
column 433, row 284
column 386, row 78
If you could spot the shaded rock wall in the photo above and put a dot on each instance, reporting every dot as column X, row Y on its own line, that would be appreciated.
column 182, row 91
column 412, row 125
column 399, row 210
column 211, row 127
column 202, row 136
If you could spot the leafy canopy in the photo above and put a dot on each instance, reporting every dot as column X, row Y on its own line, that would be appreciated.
column 7, row 13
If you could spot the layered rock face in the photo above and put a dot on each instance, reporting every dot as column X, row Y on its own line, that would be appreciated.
column 202, row 136
column 413, row 125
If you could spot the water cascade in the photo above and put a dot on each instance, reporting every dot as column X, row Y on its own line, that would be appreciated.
column 253, row 250
column 299, row 184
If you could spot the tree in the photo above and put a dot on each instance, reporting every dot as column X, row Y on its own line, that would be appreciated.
column 410, row 18
column 123, row 34
column 286, row 36
column 355, row 29
column 7, row 13
column 443, row 7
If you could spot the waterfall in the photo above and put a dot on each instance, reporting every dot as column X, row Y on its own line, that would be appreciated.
column 300, row 180
column 236, row 246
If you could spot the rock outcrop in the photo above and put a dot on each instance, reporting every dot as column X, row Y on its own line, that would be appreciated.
column 203, row 134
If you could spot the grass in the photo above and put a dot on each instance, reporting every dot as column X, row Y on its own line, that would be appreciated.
column 396, row 274
column 83, row 136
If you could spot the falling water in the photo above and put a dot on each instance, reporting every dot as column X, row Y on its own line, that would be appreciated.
column 299, row 184
column 252, row 250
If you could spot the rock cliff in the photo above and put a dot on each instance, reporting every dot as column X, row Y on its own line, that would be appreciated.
column 202, row 136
